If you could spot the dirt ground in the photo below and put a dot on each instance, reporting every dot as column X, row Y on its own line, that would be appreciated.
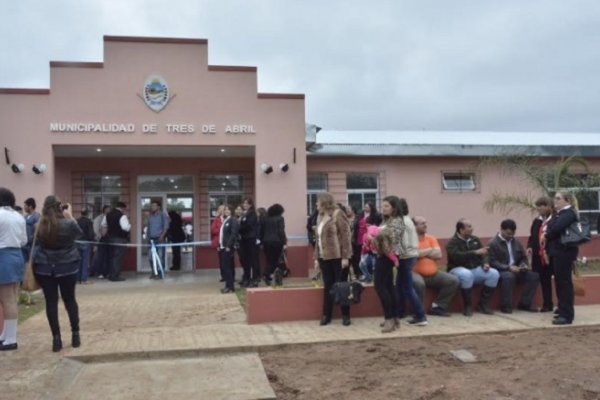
column 543, row 364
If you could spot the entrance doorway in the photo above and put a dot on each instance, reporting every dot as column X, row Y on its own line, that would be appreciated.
column 178, row 199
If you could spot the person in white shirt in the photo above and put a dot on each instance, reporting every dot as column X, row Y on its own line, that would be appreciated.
column 13, row 236
column 101, row 264
column 118, row 227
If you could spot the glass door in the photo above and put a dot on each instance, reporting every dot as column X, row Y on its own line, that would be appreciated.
column 175, row 195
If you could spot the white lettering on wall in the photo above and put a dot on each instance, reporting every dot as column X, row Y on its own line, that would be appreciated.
column 180, row 128
column 149, row 128
column 209, row 129
column 91, row 127
column 240, row 129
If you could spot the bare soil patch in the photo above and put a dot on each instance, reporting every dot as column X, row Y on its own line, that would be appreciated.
column 548, row 364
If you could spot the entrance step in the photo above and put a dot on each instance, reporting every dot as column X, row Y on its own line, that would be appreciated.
column 236, row 376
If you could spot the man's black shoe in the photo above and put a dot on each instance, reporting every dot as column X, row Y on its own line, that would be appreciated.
column 545, row 309
column 346, row 320
column 117, row 279
column 6, row 347
column 439, row 312
column 175, row 268
column 561, row 321
column 325, row 320
column 506, row 310
column 226, row 290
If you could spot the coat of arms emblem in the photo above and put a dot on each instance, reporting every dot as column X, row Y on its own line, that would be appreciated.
column 156, row 93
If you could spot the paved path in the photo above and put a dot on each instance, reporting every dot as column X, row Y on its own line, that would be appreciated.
column 157, row 339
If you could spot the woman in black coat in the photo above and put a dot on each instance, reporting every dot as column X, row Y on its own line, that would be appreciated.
column 273, row 238
column 176, row 235
column 56, row 265
column 248, row 245
column 562, row 257
column 539, row 259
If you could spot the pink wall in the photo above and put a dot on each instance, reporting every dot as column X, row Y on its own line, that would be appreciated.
column 108, row 93
column 418, row 179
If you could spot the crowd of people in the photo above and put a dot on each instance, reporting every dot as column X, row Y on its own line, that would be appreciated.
column 366, row 244
column 372, row 244
column 245, row 231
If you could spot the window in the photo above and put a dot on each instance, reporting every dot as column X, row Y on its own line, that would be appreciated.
column 165, row 183
column 316, row 183
column 101, row 190
column 589, row 206
column 224, row 189
column 362, row 188
column 458, row 181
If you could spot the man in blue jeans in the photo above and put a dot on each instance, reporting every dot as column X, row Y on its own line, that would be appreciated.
column 85, row 249
column 468, row 261
column 158, row 225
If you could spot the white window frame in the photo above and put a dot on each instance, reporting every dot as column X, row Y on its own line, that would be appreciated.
column 362, row 192
column 310, row 206
column 457, row 175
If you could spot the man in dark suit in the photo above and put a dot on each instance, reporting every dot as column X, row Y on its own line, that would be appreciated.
column 508, row 256
column 228, row 237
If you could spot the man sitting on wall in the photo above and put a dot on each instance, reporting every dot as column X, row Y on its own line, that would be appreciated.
column 467, row 260
column 508, row 256
column 426, row 274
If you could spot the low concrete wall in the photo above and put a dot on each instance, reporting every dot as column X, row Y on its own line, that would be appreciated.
column 297, row 304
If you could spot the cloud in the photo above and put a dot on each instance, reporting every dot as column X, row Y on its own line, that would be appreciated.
column 460, row 65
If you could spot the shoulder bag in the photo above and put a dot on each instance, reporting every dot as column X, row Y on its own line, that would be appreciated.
column 347, row 293
column 30, row 284
column 575, row 234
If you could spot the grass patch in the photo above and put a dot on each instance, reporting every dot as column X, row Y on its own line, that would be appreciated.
column 241, row 295
column 592, row 266
column 29, row 305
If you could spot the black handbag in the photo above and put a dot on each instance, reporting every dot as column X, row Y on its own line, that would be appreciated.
column 346, row 293
column 575, row 234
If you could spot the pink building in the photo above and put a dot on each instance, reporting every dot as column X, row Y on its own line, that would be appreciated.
column 155, row 121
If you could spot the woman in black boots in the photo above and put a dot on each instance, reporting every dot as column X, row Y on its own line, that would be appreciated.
column 56, row 265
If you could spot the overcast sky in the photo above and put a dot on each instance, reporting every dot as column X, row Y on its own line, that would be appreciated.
column 399, row 65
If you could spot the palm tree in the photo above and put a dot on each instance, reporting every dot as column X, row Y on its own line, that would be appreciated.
column 543, row 179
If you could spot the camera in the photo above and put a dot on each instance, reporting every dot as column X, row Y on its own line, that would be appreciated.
column 63, row 207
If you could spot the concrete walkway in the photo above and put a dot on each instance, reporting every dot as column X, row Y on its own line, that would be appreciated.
column 157, row 339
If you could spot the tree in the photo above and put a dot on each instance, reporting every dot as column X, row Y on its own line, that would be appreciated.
column 541, row 177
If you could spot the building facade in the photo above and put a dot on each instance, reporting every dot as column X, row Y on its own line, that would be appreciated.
column 154, row 120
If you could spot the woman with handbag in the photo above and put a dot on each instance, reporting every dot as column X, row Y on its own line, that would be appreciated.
column 56, row 265
column 333, row 251
column 13, row 236
column 562, row 256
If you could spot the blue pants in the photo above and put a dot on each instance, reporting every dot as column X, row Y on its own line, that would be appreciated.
column 367, row 265
column 161, row 250
column 85, row 251
column 405, row 288
column 477, row 276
